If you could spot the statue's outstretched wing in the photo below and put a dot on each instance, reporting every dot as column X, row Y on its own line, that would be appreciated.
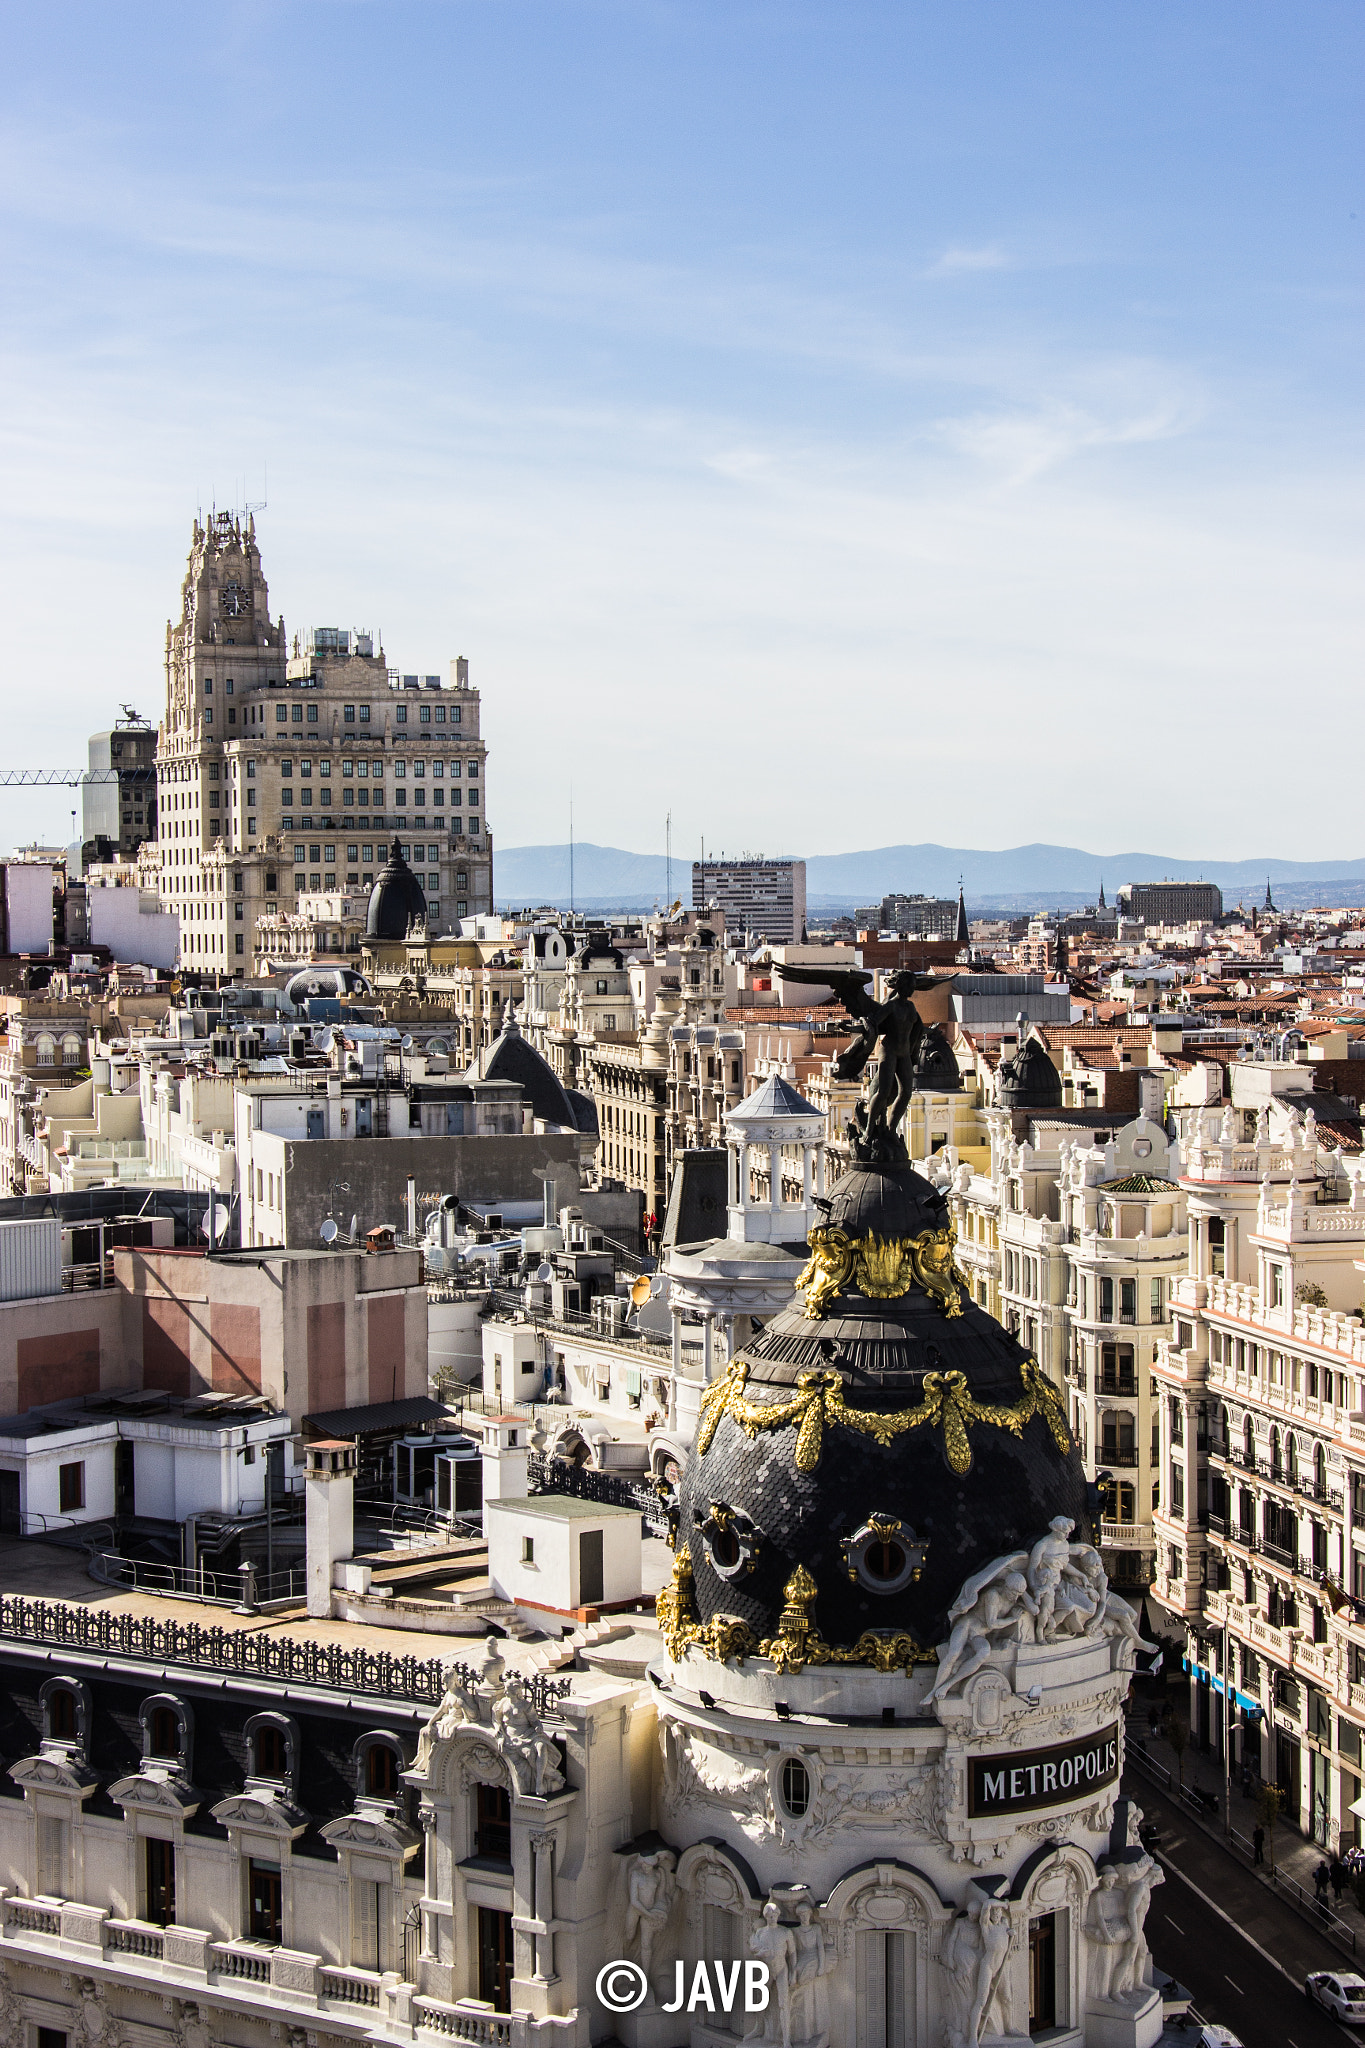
column 850, row 984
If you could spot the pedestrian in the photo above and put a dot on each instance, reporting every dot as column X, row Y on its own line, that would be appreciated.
column 1258, row 1843
column 1153, row 1718
column 1320, row 1880
column 1338, row 1877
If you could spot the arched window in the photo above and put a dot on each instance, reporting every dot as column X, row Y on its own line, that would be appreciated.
column 1276, row 1466
column 66, row 1712
column 1249, row 1444
column 273, row 1748
column 71, row 1050
column 47, row 1049
column 167, row 1731
column 379, row 1759
column 1291, row 1460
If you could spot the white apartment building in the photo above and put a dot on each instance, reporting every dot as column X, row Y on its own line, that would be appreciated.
column 1261, row 1523
column 283, row 774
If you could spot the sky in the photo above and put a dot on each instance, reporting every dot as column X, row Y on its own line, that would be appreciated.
column 835, row 425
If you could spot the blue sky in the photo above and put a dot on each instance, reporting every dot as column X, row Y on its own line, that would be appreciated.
column 839, row 424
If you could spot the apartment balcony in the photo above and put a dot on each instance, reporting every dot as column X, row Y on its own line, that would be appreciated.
column 1119, row 1460
column 278, row 1980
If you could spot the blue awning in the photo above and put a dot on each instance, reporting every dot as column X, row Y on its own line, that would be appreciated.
column 1248, row 1706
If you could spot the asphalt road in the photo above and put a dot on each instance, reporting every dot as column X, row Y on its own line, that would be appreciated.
column 1231, row 1980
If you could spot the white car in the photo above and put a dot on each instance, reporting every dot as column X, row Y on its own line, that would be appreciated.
column 1340, row 1992
column 1212, row 2035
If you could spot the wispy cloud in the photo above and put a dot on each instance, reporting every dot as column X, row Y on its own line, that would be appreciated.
column 954, row 261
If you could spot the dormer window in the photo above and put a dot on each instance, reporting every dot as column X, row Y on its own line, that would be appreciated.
column 163, row 1738
column 66, row 1712
column 381, row 1772
column 167, row 1732
column 270, row 1753
column 273, row 1750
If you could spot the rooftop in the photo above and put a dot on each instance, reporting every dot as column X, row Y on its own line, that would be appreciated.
column 566, row 1507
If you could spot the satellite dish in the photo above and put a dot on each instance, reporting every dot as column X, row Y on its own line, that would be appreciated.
column 328, row 1232
column 221, row 1219
column 545, row 1271
column 642, row 1290
column 407, row 1042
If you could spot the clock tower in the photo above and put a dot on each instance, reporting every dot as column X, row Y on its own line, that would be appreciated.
column 223, row 649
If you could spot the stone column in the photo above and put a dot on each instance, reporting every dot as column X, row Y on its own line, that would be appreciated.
column 543, row 1903
column 774, row 1175
column 708, row 1330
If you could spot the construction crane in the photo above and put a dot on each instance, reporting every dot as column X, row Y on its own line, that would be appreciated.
column 64, row 778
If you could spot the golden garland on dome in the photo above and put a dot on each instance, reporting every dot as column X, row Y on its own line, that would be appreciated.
column 819, row 1400
column 883, row 1268
column 798, row 1641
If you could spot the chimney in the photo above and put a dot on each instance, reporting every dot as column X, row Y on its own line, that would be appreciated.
column 329, row 1490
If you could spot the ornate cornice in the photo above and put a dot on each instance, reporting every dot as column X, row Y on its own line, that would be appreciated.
column 155, row 1792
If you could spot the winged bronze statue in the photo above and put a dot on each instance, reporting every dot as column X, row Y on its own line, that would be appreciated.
column 895, row 1024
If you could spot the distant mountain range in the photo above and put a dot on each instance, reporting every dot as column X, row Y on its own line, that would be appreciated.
column 1016, row 878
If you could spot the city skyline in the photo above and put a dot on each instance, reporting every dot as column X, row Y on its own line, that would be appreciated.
column 996, row 372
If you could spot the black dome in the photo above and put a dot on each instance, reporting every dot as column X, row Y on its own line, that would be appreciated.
column 936, row 1070
column 1029, row 1080
column 976, row 1459
column 395, row 900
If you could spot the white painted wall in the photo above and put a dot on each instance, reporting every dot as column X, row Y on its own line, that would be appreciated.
column 28, row 907
column 551, row 1578
column 121, row 920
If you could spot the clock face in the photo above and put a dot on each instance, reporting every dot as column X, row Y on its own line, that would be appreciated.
column 235, row 600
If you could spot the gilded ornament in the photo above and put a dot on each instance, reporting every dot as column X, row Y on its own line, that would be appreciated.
column 798, row 1641
column 947, row 1403
column 881, row 1268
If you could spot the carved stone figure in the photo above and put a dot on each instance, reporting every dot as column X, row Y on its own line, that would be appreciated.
column 776, row 1945
column 994, row 1609
column 1048, row 1559
column 1106, row 1923
column 815, row 1961
column 973, row 1955
column 1055, row 1593
column 650, row 1891
column 522, row 1737
column 456, row 1706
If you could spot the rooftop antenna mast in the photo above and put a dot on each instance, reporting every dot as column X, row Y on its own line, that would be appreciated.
column 571, row 892
column 668, row 857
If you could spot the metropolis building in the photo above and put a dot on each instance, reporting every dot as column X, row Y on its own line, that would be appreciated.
column 287, row 771
column 875, row 1750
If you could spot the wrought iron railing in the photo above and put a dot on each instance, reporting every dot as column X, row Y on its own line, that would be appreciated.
column 256, row 1653
column 612, row 1489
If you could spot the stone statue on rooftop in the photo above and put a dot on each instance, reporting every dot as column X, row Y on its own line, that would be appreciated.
column 895, row 1027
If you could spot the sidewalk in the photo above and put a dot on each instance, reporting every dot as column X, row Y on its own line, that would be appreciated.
column 1295, row 1857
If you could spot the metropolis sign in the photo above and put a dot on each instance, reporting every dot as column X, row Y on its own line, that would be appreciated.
column 1042, row 1777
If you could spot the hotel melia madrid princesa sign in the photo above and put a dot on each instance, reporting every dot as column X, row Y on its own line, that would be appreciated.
column 1043, row 1777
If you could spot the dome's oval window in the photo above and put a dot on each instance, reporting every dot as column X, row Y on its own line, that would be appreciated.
column 725, row 1548
column 884, row 1559
column 795, row 1787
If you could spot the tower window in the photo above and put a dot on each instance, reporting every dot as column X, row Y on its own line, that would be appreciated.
column 349, row 714
column 208, row 686
column 281, row 713
column 228, row 686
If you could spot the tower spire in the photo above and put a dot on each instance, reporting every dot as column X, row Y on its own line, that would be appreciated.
column 963, row 936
